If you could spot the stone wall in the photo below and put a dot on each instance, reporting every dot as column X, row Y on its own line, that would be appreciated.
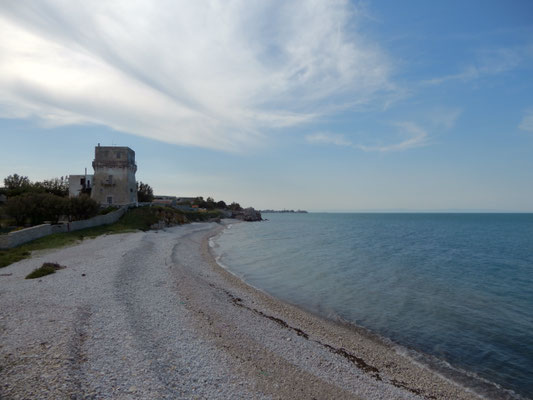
column 96, row 221
column 16, row 238
column 13, row 239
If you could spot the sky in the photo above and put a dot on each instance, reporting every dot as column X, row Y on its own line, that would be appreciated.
column 324, row 105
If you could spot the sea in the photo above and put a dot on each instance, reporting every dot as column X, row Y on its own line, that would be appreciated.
column 454, row 291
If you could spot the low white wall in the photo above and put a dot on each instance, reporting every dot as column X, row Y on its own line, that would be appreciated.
column 96, row 221
column 16, row 238
column 13, row 239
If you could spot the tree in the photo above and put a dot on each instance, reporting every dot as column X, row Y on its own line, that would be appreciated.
column 144, row 192
column 19, row 208
column 222, row 205
column 16, row 181
column 57, row 186
column 16, row 184
column 210, row 203
column 82, row 207
column 53, row 207
column 37, row 207
column 200, row 202
column 235, row 207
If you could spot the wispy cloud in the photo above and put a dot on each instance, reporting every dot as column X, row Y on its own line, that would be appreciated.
column 414, row 136
column 443, row 117
column 527, row 121
column 329, row 138
column 217, row 74
column 488, row 62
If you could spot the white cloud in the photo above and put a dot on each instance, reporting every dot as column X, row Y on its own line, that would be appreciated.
column 414, row 136
column 527, row 121
column 216, row 74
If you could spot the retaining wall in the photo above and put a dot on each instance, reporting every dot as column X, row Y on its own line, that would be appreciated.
column 96, row 221
column 13, row 239
column 16, row 238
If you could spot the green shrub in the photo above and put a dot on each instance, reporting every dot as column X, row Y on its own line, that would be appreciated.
column 37, row 207
column 107, row 210
column 196, row 216
column 145, row 193
column 82, row 207
column 45, row 269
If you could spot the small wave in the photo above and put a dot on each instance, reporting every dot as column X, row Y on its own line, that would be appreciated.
column 466, row 379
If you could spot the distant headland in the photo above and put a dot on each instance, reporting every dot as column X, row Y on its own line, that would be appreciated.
column 284, row 211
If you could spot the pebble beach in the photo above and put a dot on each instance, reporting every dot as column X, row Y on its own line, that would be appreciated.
column 149, row 315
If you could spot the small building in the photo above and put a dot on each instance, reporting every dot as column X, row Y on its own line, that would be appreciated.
column 3, row 198
column 114, row 175
column 183, row 200
column 164, row 201
column 78, row 184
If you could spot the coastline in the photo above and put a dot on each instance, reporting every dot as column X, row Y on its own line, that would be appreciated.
column 151, row 314
column 473, row 384
column 377, row 357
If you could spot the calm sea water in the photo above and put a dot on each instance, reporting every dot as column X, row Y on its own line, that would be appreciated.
column 456, row 288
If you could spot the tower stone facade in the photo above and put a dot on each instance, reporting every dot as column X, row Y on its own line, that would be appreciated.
column 114, row 175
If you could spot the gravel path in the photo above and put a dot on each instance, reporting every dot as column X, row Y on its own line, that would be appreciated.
column 150, row 315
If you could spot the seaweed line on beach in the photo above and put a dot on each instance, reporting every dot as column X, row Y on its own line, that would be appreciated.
column 361, row 364
column 358, row 361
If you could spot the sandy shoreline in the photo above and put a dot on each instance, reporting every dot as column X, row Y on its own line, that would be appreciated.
column 152, row 315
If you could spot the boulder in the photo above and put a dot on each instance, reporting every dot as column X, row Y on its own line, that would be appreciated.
column 248, row 214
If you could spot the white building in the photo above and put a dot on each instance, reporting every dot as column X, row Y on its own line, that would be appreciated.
column 78, row 183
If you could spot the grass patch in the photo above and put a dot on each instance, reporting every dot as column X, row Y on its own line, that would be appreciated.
column 195, row 216
column 45, row 269
column 135, row 219
column 107, row 210
column 141, row 218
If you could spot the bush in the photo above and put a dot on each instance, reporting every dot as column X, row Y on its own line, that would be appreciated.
column 107, row 210
column 19, row 208
column 195, row 216
column 82, row 207
column 53, row 207
column 45, row 269
column 145, row 193
column 37, row 207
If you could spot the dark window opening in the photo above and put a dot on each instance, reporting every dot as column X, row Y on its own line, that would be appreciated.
column 109, row 199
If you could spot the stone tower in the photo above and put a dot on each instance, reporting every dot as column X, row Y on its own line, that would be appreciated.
column 114, row 175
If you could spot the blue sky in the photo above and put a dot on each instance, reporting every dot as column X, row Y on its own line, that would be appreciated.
column 323, row 105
